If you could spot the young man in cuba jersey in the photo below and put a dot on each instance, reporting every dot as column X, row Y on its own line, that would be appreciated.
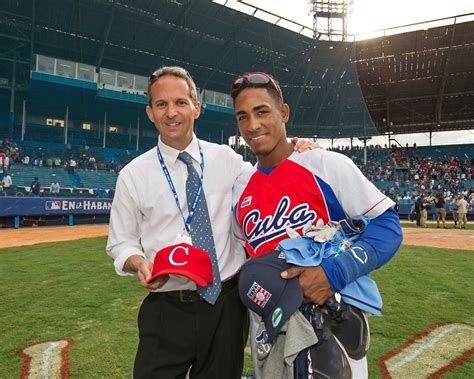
column 288, row 190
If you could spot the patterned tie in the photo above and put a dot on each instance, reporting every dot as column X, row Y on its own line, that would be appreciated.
column 201, row 231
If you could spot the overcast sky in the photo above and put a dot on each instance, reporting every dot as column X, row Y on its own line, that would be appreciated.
column 371, row 15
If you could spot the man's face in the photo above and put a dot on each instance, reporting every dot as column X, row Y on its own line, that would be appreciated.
column 173, row 111
column 261, row 120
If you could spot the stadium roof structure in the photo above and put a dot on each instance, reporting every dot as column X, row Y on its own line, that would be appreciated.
column 215, row 43
column 420, row 81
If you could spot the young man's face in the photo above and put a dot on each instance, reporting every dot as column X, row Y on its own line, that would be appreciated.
column 173, row 111
column 261, row 120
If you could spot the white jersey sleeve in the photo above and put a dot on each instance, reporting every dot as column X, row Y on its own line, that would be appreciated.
column 338, row 176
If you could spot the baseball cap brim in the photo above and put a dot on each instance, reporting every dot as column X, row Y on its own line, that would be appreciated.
column 286, row 306
column 279, row 298
column 200, row 281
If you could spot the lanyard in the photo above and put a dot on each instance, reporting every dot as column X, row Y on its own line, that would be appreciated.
column 189, row 219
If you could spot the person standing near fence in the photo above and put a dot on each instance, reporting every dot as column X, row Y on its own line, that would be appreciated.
column 440, row 211
column 463, row 206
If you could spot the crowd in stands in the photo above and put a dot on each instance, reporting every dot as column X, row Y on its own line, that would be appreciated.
column 84, row 161
column 409, row 174
column 11, row 155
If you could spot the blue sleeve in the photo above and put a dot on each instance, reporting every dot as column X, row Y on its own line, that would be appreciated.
column 376, row 246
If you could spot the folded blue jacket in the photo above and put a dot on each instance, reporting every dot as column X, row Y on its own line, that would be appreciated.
column 362, row 293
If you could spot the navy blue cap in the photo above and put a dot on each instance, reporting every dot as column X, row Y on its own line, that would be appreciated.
column 263, row 291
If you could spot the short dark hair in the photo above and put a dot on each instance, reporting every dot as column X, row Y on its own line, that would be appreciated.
column 271, row 87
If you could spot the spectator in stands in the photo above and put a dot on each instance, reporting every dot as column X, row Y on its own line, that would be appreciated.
column 16, row 154
column 26, row 160
column 55, row 187
column 92, row 163
column 6, row 163
column 113, row 165
column 463, row 206
column 111, row 193
column 72, row 166
column 35, row 187
column 440, row 211
column 7, row 181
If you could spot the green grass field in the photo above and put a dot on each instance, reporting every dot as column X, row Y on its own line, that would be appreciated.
column 70, row 290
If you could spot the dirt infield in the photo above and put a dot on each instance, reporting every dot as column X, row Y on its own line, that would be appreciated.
column 447, row 238
column 32, row 236
column 443, row 238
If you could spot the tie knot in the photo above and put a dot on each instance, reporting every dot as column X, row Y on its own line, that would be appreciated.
column 186, row 158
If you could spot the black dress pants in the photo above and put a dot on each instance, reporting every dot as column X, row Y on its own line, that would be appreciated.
column 179, row 332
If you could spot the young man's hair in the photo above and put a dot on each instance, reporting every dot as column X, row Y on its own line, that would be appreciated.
column 178, row 72
column 272, row 91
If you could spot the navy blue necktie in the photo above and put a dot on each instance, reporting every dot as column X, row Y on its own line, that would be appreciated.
column 201, row 231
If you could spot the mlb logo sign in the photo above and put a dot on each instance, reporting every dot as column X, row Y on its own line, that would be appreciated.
column 258, row 295
column 53, row 205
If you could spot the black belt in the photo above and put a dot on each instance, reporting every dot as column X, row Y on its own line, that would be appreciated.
column 185, row 296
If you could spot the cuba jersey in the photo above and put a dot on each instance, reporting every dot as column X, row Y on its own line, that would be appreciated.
column 306, row 187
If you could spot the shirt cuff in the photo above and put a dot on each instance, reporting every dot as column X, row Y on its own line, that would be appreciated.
column 119, row 262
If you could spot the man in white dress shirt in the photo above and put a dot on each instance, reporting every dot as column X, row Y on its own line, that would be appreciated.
column 178, row 330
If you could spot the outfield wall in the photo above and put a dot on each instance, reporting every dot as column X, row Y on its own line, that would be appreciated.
column 23, row 211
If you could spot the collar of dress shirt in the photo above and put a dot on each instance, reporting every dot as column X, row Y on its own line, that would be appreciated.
column 170, row 155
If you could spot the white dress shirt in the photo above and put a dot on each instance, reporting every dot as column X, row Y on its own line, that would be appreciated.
column 144, row 211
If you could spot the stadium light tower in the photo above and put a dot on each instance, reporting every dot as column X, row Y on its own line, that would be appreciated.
column 330, row 18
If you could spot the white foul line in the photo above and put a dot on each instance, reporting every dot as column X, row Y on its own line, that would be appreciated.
column 47, row 360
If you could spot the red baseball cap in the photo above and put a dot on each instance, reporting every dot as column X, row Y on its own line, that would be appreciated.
column 183, row 259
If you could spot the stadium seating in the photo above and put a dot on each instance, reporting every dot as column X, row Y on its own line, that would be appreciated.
column 24, row 175
column 391, row 170
column 101, row 179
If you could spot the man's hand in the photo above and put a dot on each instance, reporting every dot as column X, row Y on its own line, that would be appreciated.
column 313, row 280
column 301, row 145
column 143, row 268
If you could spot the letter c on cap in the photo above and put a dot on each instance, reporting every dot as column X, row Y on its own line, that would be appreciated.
column 171, row 259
